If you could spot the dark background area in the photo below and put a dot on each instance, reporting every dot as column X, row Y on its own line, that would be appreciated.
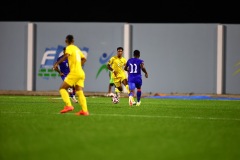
column 121, row 11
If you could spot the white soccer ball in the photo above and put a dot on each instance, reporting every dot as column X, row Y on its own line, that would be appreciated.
column 70, row 90
column 115, row 100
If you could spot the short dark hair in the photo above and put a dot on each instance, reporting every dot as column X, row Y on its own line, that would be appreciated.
column 120, row 48
column 136, row 53
column 69, row 38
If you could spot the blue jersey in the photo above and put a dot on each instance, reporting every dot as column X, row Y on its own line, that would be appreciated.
column 134, row 71
column 63, row 67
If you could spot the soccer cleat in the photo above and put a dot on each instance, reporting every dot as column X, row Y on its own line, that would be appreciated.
column 130, row 100
column 110, row 94
column 138, row 103
column 134, row 103
column 82, row 113
column 73, row 98
column 67, row 109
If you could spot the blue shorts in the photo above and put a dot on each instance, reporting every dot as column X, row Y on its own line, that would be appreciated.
column 135, row 83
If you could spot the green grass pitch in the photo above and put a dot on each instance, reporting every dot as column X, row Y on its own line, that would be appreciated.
column 31, row 128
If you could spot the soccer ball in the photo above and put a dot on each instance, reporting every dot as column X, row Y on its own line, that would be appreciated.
column 70, row 90
column 115, row 100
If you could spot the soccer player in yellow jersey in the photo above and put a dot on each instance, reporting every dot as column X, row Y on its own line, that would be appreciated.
column 76, row 76
column 116, row 66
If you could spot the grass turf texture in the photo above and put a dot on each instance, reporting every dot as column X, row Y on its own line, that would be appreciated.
column 31, row 128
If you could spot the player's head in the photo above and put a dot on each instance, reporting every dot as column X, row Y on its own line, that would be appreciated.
column 120, row 48
column 119, row 51
column 69, row 39
column 136, row 53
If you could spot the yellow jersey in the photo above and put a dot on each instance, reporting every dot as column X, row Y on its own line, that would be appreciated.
column 118, row 64
column 74, row 60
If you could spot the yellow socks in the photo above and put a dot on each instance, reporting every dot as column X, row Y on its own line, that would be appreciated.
column 127, row 87
column 116, row 90
column 82, row 100
column 65, row 97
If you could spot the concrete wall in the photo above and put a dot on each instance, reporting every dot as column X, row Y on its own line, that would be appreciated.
column 180, row 58
column 232, row 59
column 13, row 55
column 98, row 40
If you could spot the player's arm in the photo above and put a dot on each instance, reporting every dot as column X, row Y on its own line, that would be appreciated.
column 65, row 56
column 110, row 68
column 57, row 69
column 144, row 70
column 83, row 60
column 126, row 68
column 109, row 64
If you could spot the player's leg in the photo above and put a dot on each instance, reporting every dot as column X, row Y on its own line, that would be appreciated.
column 73, row 94
column 139, row 92
column 65, row 96
column 71, row 91
column 125, row 83
column 110, row 86
column 110, row 94
column 131, row 94
column 109, row 89
column 131, row 98
column 118, row 86
column 82, row 99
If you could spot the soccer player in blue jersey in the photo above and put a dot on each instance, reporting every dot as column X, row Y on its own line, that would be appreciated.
column 63, row 71
column 76, row 76
column 134, row 66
